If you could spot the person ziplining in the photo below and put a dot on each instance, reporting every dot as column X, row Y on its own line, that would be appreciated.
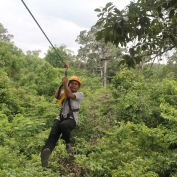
column 67, row 119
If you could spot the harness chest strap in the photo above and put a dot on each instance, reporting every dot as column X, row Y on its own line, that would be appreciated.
column 70, row 109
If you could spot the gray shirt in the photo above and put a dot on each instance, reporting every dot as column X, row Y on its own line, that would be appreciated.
column 75, row 104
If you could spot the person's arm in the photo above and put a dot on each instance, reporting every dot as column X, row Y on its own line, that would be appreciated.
column 58, row 93
column 67, row 89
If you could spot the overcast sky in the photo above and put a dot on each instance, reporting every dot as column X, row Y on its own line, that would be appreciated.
column 61, row 20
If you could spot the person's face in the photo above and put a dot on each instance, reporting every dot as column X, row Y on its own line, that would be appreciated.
column 74, row 86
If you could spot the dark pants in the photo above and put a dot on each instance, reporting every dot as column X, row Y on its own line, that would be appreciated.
column 60, row 127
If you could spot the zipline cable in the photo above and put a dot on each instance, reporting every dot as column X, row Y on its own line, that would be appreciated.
column 65, row 65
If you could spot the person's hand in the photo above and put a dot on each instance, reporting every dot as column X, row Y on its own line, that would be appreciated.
column 64, row 80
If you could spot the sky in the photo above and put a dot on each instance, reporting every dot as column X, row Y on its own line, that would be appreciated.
column 61, row 20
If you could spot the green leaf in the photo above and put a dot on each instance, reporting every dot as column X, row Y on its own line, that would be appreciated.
column 99, row 23
column 144, row 47
column 138, row 49
column 132, row 51
column 109, row 9
column 115, row 26
column 97, row 10
column 138, row 60
column 117, row 11
column 159, row 9
column 108, row 5
column 99, row 35
column 172, row 38
column 107, row 39
column 161, row 15
column 137, row 11
column 122, row 62
column 172, row 12
column 119, row 30
column 131, row 15
column 107, row 31
column 100, row 14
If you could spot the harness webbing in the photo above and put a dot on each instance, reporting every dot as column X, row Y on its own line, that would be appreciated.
column 70, row 110
column 62, row 98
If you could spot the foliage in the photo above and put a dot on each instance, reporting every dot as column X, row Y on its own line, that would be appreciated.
column 92, row 54
column 139, row 101
column 170, row 69
column 146, row 27
column 4, row 35
column 132, row 150
column 10, row 59
column 57, row 56
column 128, row 129
column 33, row 52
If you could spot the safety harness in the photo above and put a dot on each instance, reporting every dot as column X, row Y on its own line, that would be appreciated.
column 70, row 114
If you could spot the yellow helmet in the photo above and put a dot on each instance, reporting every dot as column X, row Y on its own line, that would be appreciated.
column 75, row 78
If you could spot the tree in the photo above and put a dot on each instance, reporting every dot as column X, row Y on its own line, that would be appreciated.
column 33, row 52
column 10, row 59
column 92, row 52
column 4, row 36
column 56, row 60
column 171, row 67
column 147, row 28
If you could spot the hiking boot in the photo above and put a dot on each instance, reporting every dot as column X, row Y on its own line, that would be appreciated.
column 45, row 157
column 69, row 149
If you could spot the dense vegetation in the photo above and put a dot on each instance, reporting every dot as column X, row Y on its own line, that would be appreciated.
column 146, row 27
column 128, row 129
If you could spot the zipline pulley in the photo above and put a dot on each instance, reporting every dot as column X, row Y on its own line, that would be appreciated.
column 66, row 69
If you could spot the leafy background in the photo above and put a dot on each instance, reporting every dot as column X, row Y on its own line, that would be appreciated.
column 128, row 129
